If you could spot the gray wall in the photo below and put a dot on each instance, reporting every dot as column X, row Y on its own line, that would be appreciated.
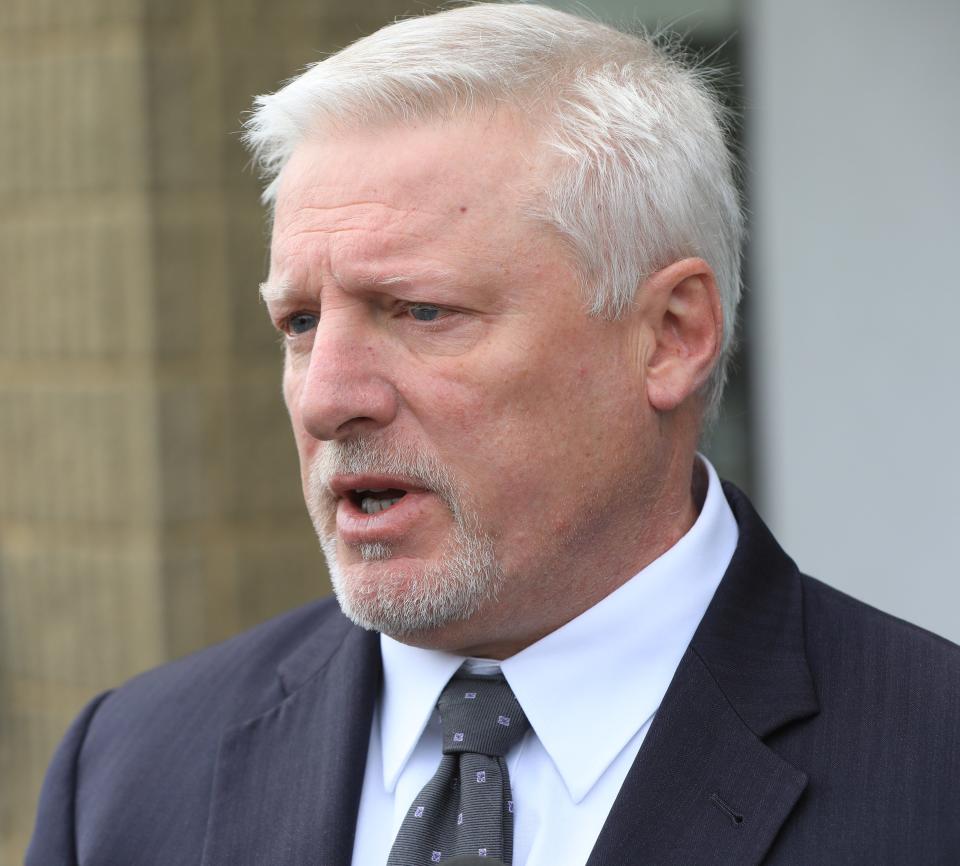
column 853, row 127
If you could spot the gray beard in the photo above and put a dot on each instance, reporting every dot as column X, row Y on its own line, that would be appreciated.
column 397, row 601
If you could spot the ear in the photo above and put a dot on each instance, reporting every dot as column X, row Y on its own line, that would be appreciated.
column 682, row 306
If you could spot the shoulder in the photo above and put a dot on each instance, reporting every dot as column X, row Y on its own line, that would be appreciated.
column 847, row 643
column 883, row 681
column 889, row 695
column 882, row 753
column 848, row 638
column 165, row 725
column 147, row 750
column 231, row 680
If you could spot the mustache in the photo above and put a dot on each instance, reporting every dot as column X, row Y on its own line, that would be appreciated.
column 360, row 455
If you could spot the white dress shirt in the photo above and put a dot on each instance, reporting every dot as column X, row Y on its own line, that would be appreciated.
column 590, row 690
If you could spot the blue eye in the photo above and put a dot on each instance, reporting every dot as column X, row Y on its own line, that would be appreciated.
column 301, row 323
column 424, row 312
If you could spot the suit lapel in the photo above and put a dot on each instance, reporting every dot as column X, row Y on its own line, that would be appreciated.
column 287, row 783
column 705, row 788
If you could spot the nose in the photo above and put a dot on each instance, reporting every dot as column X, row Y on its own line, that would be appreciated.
column 346, row 388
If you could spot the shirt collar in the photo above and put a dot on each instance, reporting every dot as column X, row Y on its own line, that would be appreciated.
column 589, row 686
column 413, row 679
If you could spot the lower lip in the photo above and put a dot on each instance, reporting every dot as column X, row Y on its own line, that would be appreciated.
column 355, row 526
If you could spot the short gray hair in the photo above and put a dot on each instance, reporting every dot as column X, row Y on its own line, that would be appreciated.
column 645, row 176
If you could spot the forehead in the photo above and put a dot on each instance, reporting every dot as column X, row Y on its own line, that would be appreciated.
column 466, row 183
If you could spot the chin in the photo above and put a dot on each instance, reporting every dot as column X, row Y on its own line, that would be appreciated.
column 402, row 596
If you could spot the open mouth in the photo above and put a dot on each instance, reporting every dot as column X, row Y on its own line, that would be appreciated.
column 375, row 500
column 374, row 507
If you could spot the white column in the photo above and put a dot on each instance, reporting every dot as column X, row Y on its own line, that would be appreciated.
column 853, row 120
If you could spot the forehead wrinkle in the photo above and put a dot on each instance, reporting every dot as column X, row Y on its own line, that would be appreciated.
column 350, row 239
column 324, row 208
column 305, row 206
column 377, row 279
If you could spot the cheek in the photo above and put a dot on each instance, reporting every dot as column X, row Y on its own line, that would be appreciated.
column 306, row 444
column 514, row 403
column 457, row 413
column 509, row 433
column 291, row 397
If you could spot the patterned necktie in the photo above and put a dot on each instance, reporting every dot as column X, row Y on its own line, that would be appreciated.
column 466, row 808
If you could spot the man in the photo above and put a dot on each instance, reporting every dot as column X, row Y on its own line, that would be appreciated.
column 504, row 263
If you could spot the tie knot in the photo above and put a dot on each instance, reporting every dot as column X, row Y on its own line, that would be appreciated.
column 480, row 714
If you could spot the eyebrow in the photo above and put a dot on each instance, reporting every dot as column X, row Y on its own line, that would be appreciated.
column 274, row 292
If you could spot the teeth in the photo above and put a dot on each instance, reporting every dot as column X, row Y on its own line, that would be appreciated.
column 371, row 505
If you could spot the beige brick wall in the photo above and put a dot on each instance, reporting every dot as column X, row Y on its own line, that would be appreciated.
column 149, row 502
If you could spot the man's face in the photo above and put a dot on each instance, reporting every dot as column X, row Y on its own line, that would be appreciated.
column 471, row 442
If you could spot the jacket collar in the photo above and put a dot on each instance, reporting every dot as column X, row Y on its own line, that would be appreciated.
column 287, row 784
column 705, row 788
column 752, row 636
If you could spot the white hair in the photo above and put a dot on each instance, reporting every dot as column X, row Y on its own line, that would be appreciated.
column 645, row 176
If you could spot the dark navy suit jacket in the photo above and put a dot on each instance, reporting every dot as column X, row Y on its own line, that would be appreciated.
column 801, row 727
